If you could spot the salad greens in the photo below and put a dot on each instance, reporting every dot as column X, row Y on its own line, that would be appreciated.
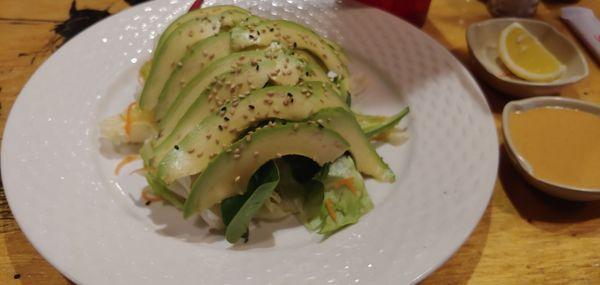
column 243, row 118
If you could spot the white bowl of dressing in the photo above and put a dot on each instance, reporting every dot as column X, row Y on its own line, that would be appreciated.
column 561, row 190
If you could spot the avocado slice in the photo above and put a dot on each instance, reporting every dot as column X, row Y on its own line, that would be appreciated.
column 200, row 55
column 314, row 71
column 216, row 132
column 294, row 36
column 204, row 79
column 247, row 78
column 228, row 174
column 367, row 160
column 173, row 49
column 245, row 70
column 196, row 14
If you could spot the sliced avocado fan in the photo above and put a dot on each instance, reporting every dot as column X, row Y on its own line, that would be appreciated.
column 293, row 103
column 228, row 174
column 169, row 55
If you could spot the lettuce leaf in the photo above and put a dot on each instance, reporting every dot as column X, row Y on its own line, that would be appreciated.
column 336, row 199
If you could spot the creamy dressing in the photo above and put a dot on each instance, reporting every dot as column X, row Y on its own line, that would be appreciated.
column 561, row 145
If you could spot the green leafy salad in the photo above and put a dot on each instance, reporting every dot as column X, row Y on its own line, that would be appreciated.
column 243, row 118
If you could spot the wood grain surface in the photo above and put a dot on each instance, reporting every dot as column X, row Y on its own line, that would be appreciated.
column 525, row 237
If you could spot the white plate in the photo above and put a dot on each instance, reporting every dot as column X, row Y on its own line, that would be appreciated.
column 90, row 225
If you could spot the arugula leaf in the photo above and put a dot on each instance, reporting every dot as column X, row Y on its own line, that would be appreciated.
column 237, row 211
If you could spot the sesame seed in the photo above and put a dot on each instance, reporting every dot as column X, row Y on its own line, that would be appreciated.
column 296, row 126
column 251, row 107
column 249, row 138
column 176, row 147
column 191, row 151
column 270, row 94
column 190, row 33
column 237, row 178
column 217, row 141
column 212, row 156
column 279, row 155
column 199, row 155
column 236, row 156
column 179, row 63
column 220, row 128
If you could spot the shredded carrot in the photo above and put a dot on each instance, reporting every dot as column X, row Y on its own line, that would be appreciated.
column 139, row 170
column 127, row 159
column 128, row 119
column 330, row 211
column 348, row 182
column 146, row 195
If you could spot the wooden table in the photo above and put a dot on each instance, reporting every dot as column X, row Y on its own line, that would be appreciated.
column 525, row 237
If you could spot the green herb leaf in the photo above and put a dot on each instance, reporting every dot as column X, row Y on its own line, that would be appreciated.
column 238, row 211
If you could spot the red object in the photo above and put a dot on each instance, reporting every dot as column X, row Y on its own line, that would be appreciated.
column 414, row 11
column 196, row 5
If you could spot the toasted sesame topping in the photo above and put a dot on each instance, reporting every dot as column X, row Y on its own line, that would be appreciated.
column 199, row 155
column 236, row 156
column 237, row 179
column 176, row 147
column 255, row 153
column 279, row 155
column 220, row 128
column 296, row 126
column 179, row 63
column 191, row 151
column 251, row 107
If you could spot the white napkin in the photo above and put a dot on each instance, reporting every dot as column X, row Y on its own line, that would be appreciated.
column 585, row 25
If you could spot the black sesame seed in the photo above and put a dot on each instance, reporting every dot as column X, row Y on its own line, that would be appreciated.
column 148, row 203
column 251, row 37
column 295, row 45
column 307, row 74
column 251, row 107
column 220, row 128
column 292, row 101
column 290, row 95
column 258, row 32
column 271, row 29
column 257, row 67
column 226, row 119
column 224, row 108
column 17, row 276
column 176, row 147
column 320, row 126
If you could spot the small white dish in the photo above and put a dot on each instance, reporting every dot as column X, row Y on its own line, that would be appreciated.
column 483, row 37
column 558, row 190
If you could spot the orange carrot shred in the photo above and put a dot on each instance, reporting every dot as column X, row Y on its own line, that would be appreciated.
column 348, row 182
column 139, row 170
column 146, row 195
column 128, row 119
column 330, row 211
column 127, row 159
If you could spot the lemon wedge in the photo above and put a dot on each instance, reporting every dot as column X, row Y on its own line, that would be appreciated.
column 526, row 57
